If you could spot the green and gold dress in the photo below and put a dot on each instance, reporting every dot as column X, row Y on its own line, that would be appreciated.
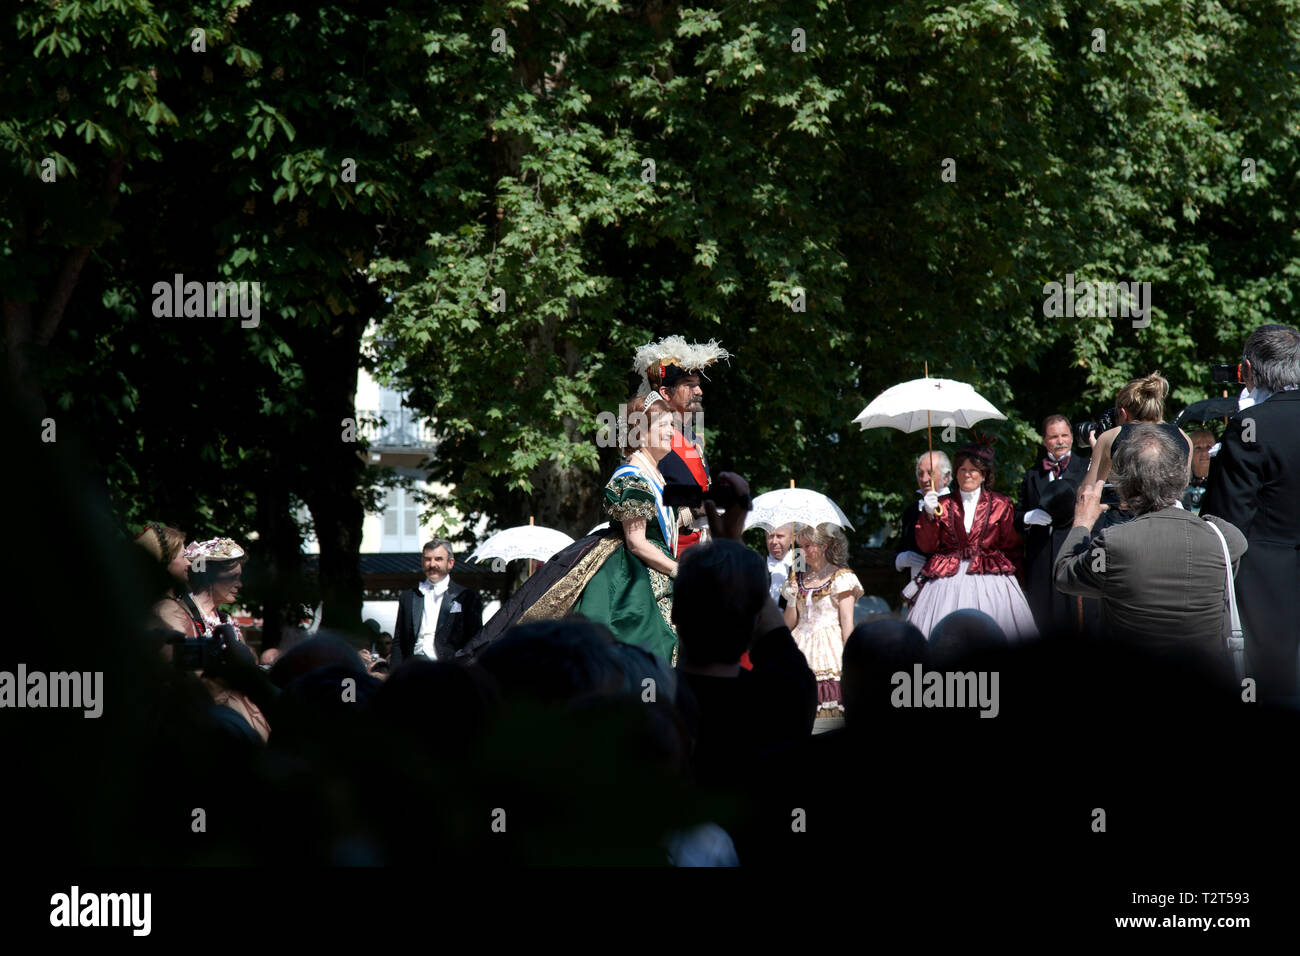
column 633, row 600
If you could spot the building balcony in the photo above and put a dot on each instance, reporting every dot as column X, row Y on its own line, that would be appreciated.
column 396, row 436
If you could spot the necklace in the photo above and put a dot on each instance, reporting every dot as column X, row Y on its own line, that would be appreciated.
column 829, row 571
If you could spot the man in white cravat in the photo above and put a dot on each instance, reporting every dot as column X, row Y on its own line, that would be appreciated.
column 780, row 558
column 437, row 618
column 436, row 565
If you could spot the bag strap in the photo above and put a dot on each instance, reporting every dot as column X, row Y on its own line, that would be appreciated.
column 1236, row 639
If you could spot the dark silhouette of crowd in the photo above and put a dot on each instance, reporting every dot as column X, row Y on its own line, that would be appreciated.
column 557, row 745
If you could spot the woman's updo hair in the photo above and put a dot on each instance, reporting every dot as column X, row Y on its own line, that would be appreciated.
column 162, row 541
column 637, row 420
column 1144, row 398
column 981, row 456
column 830, row 537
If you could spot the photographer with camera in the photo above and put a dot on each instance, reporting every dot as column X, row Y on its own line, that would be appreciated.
column 1161, row 577
column 1140, row 402
column 1254, row 483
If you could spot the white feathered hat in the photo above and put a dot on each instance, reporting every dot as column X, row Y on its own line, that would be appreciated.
column 672, row 358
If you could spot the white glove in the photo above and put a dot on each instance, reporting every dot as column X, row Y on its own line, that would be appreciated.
column 1037, row 516
column 930, row 502
column 909, row 559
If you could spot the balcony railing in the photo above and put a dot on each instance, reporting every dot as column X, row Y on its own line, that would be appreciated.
column 400, row 429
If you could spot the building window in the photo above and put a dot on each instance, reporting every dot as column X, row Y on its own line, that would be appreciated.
column 401, row 521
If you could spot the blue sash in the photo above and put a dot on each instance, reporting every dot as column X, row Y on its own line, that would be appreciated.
column 667, row 519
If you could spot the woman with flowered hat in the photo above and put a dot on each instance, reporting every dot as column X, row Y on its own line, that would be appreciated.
column 215, row 575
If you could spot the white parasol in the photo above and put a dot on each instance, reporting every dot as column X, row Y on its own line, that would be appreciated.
column 927, row 401
column 525, row 541
column 794, row 506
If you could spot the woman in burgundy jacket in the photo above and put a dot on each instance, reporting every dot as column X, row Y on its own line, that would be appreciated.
column 974, row 551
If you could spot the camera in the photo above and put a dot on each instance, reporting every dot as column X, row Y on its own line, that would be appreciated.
column 690, row 495
column 1226, row 374
column 1104, row 423
column 202, row 653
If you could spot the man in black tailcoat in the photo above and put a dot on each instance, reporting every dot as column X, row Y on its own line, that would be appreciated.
column 1045, row 513
column 437, row 618
column 1254, row 483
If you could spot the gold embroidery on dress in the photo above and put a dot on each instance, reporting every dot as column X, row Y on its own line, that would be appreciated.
column 563, row 594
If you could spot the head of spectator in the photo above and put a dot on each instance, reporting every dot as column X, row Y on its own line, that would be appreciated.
column 1271, row 358
column 933, row 471
column 436, row 560
column 323, row 650
column 874, row 652
column 1057, row 440
column 1202, row 442
column 721, row 587
column 216, row 569
column 964, row 634
column 823, row 545
column 1149, row 471
column 269, row 656
column 974, row 464
column 167, row 546
column 779, row 541
column 1143, row 400
column 444, row 706
column 639, row 665
column 385, row 644
column 554, row 662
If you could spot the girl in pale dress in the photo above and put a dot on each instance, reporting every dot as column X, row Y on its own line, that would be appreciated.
column 819, row 609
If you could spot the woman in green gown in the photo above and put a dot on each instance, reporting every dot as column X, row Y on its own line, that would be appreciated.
column 630, row 590
column 622, row 576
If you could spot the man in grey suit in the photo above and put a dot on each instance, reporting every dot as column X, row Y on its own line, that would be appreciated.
column 1161, row 577
column 438, row 617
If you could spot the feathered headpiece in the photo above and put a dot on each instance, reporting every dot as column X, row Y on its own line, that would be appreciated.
column 981, row 447
column 673, row 358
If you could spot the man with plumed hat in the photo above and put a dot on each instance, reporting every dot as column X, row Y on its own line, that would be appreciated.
column 671, row 367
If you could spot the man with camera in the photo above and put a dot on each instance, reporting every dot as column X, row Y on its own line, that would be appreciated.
column 1044, row 513
column 1254, row 483
column 1161, row 577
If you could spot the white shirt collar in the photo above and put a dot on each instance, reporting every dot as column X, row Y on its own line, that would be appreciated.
column 773, row 563
column 439, row 588
column 970, row 497
column 939, row 491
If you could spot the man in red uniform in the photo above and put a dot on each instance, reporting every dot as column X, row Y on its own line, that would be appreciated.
column 672, row 367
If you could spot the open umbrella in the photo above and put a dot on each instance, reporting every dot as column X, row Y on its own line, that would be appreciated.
column 794, row 506
column 525, row 541
column 918, row 404
column 1208, row 409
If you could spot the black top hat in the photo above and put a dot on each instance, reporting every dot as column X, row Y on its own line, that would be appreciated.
column 1058, row 500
